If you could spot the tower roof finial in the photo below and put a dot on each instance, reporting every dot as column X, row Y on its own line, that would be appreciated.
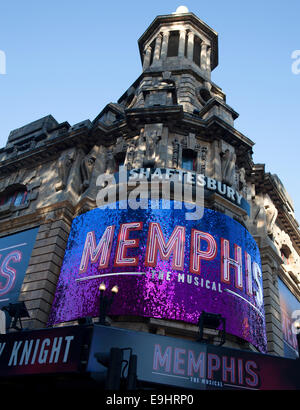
column 181, row 9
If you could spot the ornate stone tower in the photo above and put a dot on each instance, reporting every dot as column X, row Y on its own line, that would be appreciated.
column 175, row 104
column 173, row 117
column 185, row 46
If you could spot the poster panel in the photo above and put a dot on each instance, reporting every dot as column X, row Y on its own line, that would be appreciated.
column 290, row 310
column 192, row 365
column 15, row 252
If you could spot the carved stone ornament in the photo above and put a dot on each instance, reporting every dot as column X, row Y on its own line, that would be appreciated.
column 110, row 162
column 86, row 168
column 64, row 166
column 228, row 159
column 242, row 179
column 175, row 155
column 271, row 213
column 151, row 138
column 202, row 160
column 130, row 155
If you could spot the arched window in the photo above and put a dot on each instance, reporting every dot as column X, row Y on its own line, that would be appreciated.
column 285, row 254
column 13, row 196
column 120, row 160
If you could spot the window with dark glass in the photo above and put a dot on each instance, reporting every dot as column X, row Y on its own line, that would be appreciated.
column 13, row 197
column 152, row 46
column 189, row 160
column 197, row 51
column 173, row 44
column 186, row 45
column 285, row 254
column 120, row 160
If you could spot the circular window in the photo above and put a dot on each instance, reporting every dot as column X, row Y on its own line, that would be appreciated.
column 203, row 95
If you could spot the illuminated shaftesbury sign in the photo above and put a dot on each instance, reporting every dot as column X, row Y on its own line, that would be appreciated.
column 165, row 267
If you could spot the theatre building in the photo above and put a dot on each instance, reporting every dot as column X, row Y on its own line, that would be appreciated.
column 148, row 236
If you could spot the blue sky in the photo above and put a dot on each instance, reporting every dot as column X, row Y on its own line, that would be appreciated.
column 70, row 58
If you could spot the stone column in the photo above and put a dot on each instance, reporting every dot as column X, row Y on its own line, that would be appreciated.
column 164, row 46
column 181, row 47
column 203, row 57
column 147, row 57
column 208, row 53
column 190, row 45
column 157, row 48
column 43, row 270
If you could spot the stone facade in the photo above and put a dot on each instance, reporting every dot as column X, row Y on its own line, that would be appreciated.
column 173, row 113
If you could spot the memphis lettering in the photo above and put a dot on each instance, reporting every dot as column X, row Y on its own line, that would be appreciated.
column 236, row 266
column 7, row 272
column 202, row 367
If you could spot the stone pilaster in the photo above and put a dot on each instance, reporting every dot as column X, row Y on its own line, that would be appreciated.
column 190, row 45
column 270, row 261
column 43, row 270
column 147, row 58
column 164, row 46
column 203, row 57
column 208, row 54
column 157, row 48
column 181, row 47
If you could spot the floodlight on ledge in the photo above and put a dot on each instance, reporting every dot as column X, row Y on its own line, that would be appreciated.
column 102, row 287
column 115, row 289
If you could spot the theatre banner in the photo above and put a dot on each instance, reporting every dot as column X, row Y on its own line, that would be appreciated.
column 42, row 351
column 188, row 364
column 165, row 267
column 15, row 252
column 290, row 312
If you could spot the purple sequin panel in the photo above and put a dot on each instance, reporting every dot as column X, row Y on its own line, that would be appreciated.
column 161, row 291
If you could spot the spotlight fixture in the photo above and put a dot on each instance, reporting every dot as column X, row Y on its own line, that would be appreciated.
column 16, row 311
column 2, row 323
column 115, row 289
column 85, row 321
column 102, row 287
column 214, row 324
column 296, row 326
column 105, row 302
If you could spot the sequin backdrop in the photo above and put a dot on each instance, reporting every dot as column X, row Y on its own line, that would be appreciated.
column 159, row 292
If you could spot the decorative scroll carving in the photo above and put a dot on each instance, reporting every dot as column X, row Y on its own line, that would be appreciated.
column 175, row 155
column 203, row 157
column 130, row 155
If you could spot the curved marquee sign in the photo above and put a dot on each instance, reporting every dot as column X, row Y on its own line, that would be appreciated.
column 165, row 267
